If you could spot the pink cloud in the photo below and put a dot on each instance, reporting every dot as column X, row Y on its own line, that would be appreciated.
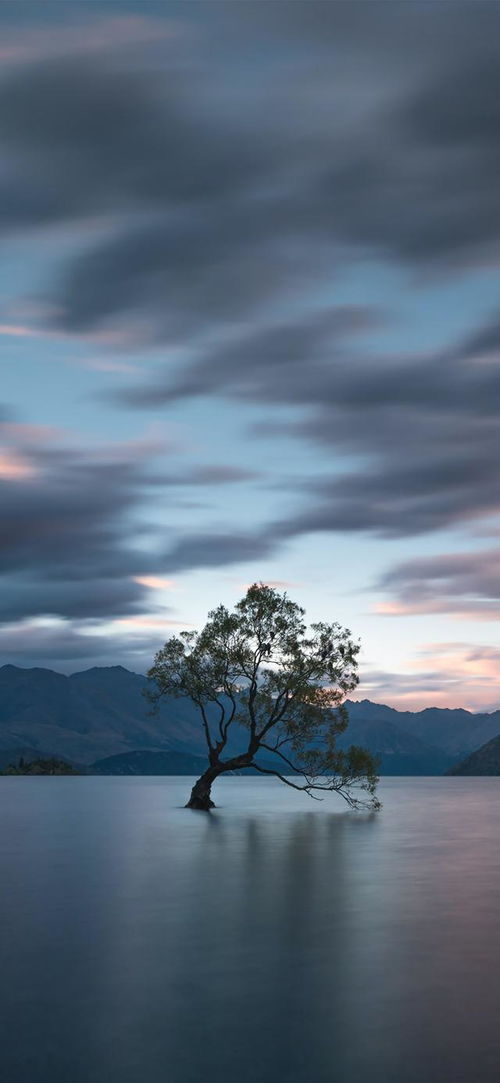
column 145, row 622
column 14, row 467
column 441, row 675
column 114, row 337
column 41, row 43
column 102, row 365
column 469, row 609
column 22, row 433
column 17, row 330
column 21, row 440
column 462, row 585
column 154, row 582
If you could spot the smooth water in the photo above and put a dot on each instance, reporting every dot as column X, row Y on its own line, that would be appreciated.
column 274, row 939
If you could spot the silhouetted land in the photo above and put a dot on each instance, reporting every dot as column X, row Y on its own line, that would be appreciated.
column 102, row 713
column 40, row 767
column 484, row 761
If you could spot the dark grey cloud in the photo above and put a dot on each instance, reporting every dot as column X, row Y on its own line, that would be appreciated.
column 90, row 597
column 179, row 184
column 69, row 645
column 224, row 474
column 405, row 169
column 71, row 543
column 371, row 132
column 435, row 116
column 67, row 515
column 281, row 364
column 226, row 189
column 485, row 341
column 425, row 441
column 439, row 411
column 212, row 549
column 103, row 138
column 184, row 275
column 464, row 584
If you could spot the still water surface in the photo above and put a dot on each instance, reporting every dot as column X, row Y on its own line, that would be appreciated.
column 275, row 939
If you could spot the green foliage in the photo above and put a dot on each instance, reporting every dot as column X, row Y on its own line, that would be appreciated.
column 260, row 667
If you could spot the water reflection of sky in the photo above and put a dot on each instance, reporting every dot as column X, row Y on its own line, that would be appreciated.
column 273, row 939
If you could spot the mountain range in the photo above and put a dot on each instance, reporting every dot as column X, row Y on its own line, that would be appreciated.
column 484, row 761
column 102, row 712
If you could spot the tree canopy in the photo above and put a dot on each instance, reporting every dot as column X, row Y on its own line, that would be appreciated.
column 270, row 693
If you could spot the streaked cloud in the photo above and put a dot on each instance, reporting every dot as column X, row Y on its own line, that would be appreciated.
column 143, row 622
column 23, row 45
column 464, row 585
column 201, row 207
column 17, row 330
column 69, row 645
column 97, row 364
column 14, row 467
column 441, row 675
column 154, row 582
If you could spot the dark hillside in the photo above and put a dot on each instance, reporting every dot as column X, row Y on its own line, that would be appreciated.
column 484, row 761
column 101, row 712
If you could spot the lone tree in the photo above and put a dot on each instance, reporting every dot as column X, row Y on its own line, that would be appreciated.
column 269, row 695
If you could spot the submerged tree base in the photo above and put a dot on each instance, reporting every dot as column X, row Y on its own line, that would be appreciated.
column 200, row 794
column 203, row 804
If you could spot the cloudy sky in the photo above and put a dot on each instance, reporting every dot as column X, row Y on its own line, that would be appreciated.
column 250, row 328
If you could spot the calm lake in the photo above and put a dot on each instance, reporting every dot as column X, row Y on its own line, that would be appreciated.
column 274, row 939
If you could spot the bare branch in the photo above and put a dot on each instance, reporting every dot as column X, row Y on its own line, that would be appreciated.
column 283, row 778
column 206, row 727
column 288, row 762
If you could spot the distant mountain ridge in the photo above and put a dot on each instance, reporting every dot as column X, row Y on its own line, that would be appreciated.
column 156, row 762
column 149, row 762
column 101, row 712
column 451, row 728
column 484, row 761
column 96, row 713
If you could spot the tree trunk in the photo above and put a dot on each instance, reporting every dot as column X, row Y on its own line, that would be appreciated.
column 200, row 794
